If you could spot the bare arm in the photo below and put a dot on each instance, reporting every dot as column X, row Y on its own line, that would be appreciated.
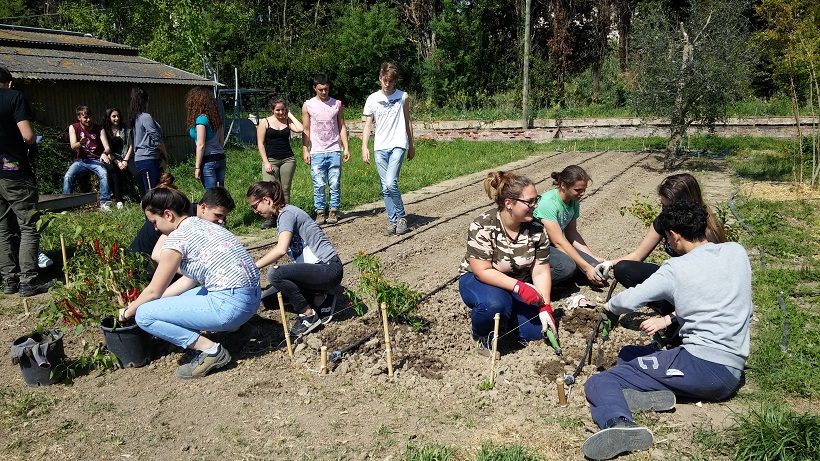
column 340, row 120
column 168, row 265
column 408, row 125
column 29, row 136
column 281, row 249
column 295, row 125
column 560, row 239
column 182, row 285
column 73, row 140
column 368, row 126
column 305, row 134
column 645, row 248
column 201, row 133
column 260, row 145
column 542, row 279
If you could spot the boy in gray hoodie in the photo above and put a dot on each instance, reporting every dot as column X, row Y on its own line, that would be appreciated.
column 710, row 286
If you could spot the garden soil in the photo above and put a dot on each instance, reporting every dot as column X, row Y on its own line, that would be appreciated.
column 266, row 405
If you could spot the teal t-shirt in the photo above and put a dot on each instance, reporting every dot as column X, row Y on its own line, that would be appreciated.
column 202, row 120
column 552, row 208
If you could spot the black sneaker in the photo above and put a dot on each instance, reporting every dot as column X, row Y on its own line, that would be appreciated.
column 642, row 401
column 35, row 288
column 326, row 308
column 12, row 286
column 620, row 436
column 203, row 363
column 305, row 324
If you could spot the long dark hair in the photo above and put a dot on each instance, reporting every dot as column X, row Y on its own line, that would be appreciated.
column 138, row 104
column 684, row 186
column 270, row 189
column 107, row 122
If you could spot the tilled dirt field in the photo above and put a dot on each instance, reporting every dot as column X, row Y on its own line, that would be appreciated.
column 267, row 406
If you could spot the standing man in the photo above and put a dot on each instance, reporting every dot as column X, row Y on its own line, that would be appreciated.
column 389, row 108
column 18, row 193
column 710, row 286
column 90, row 143
column 326, row 134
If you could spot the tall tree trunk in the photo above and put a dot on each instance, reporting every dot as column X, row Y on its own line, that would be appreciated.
column 561, row 43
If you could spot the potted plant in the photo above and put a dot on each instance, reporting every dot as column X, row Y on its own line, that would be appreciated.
column 102, row 277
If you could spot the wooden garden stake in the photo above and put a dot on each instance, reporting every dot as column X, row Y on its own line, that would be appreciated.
column 148, row 180
column 323, row 369
column 285, row 324
column 62, row 247
column 387, row 342
column 497, row 319
column 25, row 305
column 562, row 396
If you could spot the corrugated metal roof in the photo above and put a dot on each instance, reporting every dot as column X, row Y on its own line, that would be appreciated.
column 54, row 55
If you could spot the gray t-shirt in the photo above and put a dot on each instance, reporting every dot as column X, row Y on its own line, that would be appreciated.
column 147, row 136
column 309, row 244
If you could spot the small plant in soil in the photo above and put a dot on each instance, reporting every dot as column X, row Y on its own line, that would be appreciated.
column 402, row 302
column 102, row 277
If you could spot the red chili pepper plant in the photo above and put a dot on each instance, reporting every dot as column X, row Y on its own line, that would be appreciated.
column 103, row 276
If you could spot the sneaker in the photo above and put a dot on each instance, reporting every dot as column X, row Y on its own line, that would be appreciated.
column 120, row 205
column 332, row 217
column 401, row 226
column 43, row 261
column 391, row 230
column 269, row 224
column 305, row 324
column 620, row 436
column 12, row 287
column 320, row 217
column 105, row 206
column 326, row 306
column 640, row 402
column 31, row 289
column 484, row 346
column 203, row 363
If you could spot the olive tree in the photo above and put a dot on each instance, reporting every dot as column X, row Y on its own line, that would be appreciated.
column 691, row 64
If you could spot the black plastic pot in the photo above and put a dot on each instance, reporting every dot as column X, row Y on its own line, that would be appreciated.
column 129, row 343
column 40, row 374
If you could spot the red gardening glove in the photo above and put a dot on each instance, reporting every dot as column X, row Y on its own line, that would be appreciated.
column 527, row 293
column 547, row 322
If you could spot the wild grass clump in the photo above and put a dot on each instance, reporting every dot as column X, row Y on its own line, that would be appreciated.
column 775, row 432
column 432, row 452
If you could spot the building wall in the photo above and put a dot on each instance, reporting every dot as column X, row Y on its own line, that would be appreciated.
column 55, row 103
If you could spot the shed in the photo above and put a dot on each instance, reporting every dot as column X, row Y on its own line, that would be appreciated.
column 60, row 70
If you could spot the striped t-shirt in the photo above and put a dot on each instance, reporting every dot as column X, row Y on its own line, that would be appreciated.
column 212, row 255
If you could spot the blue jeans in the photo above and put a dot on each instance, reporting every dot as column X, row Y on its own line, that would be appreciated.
column 213, row 174
column 179, row 319
column 149, row 173
column 298, row 281
column 562, row 267
column 485, row 301
column 326, row 166
column 388, row 164
column 91, row 165
column 644, row 369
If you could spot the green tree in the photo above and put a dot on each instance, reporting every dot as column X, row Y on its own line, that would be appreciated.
column 692, row 64
column 791, row 43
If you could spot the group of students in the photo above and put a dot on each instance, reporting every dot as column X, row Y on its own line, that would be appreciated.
column 111, row 149
column 528, row 242
column 325, row 145
column 201, row 263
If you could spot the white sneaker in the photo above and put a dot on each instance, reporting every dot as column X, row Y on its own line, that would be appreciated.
column 43, row 261
column 105, row 206
column 120, row 205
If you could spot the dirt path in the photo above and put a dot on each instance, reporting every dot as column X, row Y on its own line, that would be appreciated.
column 269, row 407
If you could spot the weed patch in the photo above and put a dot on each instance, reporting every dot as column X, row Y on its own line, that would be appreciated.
column 775, row 432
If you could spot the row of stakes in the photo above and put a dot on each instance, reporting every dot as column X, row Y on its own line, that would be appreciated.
column 323, row 369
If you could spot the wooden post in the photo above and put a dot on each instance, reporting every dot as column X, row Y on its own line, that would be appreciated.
column 497, row 319
column 387, row 342
column 62, row 247
column 285, row 324
column 562, row 396
column 25, row 305
column 148, row 180
column 323, row 369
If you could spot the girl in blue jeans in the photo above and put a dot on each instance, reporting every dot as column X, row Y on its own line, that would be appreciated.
column 219, row 287
column 506, row 269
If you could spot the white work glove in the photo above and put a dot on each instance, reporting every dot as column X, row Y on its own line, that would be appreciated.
column 547, row 322
column 602, row 271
